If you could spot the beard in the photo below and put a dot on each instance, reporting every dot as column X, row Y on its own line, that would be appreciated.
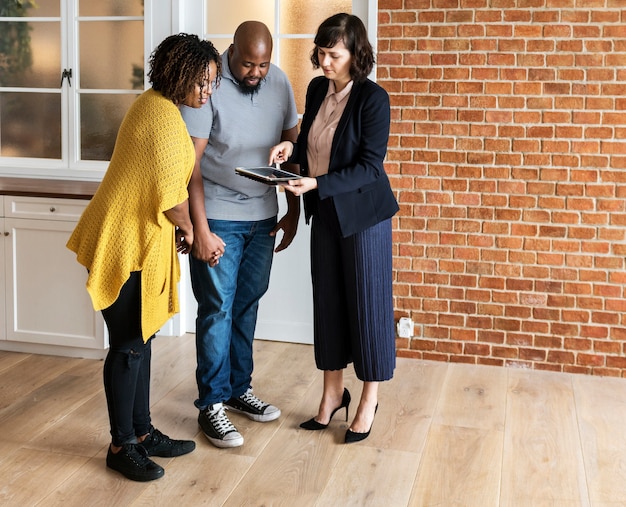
column 247, row 89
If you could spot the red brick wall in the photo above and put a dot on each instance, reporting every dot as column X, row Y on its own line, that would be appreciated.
column 508, row 156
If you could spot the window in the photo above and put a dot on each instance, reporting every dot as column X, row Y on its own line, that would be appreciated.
column 293, row 24
column 69, row 70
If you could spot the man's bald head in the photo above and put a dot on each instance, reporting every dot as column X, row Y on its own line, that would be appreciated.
column 250, row 54
column 253, row 34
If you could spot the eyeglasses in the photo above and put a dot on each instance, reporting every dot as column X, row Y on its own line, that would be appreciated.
column 207, row 86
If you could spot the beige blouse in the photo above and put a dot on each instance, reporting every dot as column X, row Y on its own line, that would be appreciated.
column 323, row 129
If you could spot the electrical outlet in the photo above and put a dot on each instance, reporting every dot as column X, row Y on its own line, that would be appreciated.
column 405, row 328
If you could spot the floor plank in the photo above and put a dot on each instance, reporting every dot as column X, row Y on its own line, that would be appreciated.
column 473, row 398
column 460, row 467
column 360, row 472
column 293, row 469
column 407, row 406
column 444, row 435
column 601, row 404
column 24, row 377
column 542, row 457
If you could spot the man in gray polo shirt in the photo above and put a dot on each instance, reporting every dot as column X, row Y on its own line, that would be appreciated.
column 235, row 223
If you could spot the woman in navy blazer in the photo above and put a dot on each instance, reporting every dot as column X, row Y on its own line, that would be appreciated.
column 349, row 201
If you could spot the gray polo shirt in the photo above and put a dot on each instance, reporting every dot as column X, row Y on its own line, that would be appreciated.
column 241, row 129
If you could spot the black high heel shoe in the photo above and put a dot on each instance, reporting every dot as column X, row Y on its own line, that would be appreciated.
column 313, row 425
column 354, row 436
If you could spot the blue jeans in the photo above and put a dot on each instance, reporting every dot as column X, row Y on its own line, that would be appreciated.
column 228, row 299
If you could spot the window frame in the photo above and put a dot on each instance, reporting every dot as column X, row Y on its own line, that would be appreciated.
column 70, row 165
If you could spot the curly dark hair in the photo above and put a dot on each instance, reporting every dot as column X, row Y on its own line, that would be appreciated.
column 179, row 63
column 349, row 29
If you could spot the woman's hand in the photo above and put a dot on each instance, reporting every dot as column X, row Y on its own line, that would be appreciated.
column 300, row 186
column 280, row 153
column 184, row 241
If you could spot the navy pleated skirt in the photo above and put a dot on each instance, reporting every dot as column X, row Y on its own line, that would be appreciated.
column 352, row 297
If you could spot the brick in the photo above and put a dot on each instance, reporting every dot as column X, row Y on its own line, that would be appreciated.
column 491, row 336
column 462, row 359
column 408, row 354
column 577, row 344
column 607, row 347
column 489, row 361
column 548, row 342
column 428, row 356
column 477, row 349
column 449, row 347
column 532, row 354
column 561, row 357
column 616, row 362
column 590, row 360
column 504, row 352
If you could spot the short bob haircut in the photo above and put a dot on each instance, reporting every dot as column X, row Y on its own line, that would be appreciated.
column 349, row 29
column 180, row 63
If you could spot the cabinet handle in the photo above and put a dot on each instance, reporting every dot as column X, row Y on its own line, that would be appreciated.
column 52, row 209
column 6, row 233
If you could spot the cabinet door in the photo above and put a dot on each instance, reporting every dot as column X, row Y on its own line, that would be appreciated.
column 3, row 334
column 46, row 298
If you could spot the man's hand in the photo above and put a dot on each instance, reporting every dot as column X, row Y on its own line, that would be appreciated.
column 208, row 247
column 289, row 226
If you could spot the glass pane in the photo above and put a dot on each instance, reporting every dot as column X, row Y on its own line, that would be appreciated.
column 100, row 119
column 30, row 125
column 42, row 8
column 225, row 17
column 111, row 55
column 30, row 54
column 296, row 62
column 222, row 44
column 110, row 8
column 299, row 16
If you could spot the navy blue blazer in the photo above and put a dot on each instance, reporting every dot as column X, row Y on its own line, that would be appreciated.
column 356, row 179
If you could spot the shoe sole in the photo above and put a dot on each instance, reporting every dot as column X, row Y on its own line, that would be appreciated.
column 171, row 454
column 138, row 478
column 256, row 417
column 225, row 444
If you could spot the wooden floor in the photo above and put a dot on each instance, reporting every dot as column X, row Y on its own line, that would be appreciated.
column 445, row 435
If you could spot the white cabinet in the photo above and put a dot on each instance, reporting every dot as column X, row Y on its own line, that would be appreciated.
column 2, row 279
column 47, row 307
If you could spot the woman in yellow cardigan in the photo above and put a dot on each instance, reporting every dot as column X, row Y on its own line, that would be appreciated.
column 128, row 238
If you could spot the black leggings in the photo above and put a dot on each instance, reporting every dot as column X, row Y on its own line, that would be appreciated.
column 127, row 366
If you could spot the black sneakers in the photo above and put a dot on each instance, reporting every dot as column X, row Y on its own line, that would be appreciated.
column 217, row 427
column 133, row 460
column 133, row 463
column 254, row 408
column 158, row 444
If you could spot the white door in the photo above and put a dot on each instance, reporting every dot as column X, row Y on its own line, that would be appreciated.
column 286, row 311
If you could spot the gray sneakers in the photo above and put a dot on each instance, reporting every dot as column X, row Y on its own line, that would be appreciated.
column 218, row 428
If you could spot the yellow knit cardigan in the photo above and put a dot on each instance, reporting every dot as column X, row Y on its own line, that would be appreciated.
column 124, row 228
